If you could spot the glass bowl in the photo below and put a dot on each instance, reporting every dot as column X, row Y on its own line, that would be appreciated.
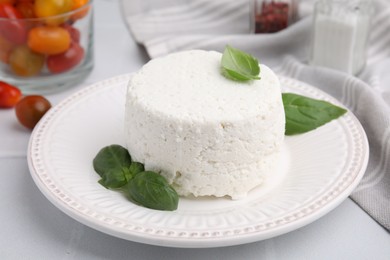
column 45, row 45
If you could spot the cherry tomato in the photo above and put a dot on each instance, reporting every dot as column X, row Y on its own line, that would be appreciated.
column 82, row 12
column 26, row 9
column 67, row 60
column 9, row 95
column 46, row 8
column 76, row 4
column 30, row 109
column 13, row 30
column 48, row 39
column 11, row 2
column 25, row 62
column 5, row 49
column 74, row 32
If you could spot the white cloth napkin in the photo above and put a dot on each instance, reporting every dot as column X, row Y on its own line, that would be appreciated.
column 174, row 25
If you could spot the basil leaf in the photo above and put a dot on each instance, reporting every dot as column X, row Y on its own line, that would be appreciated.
column 304, row 114
column 136, row 167
column 151, row 190
column 112, row 164
column 115, row 178
column 113, row 157
column 238, row 65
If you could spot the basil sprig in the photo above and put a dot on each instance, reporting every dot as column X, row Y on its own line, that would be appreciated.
column 304, row 114
column 117, row 171
column 238, row 65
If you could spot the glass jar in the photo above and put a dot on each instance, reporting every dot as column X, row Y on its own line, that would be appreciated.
column 268, row 16
column 340, row 34
column 41, row 52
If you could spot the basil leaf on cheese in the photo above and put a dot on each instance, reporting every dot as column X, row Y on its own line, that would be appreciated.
column 238, row 65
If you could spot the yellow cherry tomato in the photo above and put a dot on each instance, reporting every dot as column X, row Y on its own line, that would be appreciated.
column 49, row 40
column 24, row 62
column 48, row 8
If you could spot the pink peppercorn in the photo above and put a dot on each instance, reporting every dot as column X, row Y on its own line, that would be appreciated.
column 272, row 16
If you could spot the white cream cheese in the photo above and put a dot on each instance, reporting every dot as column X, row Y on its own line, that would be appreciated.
column 206, row 134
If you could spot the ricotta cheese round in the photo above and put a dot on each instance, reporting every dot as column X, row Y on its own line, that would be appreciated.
column 206, row 134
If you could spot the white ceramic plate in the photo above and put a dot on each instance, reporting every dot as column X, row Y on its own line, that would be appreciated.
column 319, row 170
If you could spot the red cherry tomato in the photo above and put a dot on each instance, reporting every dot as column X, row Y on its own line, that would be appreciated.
column 9, row 95
column 67, row 60
column 74, row 32
column 30, row 109
column 7, row 2
column 49, row 39
column 26, row 9
column 5, row 49
column 13, row 29
column 25, row 62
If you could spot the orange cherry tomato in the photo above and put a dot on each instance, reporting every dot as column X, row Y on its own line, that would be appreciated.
column 26, row 9
column 82, row 12
column 13, row 29
column 49, row 40
column 47, row 8
column 9, row 95
column 67, row 60
column 5, row 49
column 76, row 4
column 30, row 109
column 25, row 62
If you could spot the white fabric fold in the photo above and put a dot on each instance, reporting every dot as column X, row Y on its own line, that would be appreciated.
column 153, row 18
column 373, row 192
